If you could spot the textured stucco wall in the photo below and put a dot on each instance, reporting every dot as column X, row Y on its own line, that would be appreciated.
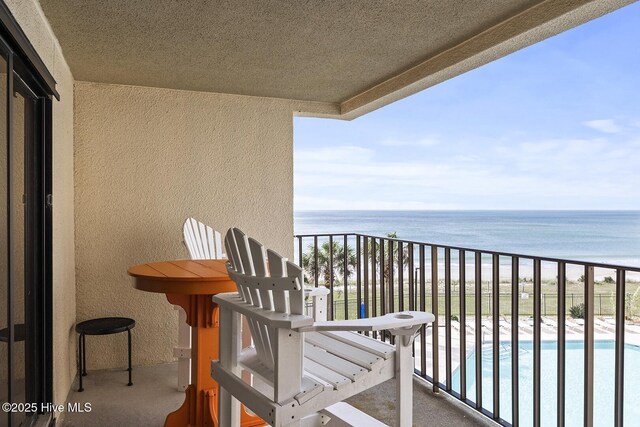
column 145, row 159
column 32, row 20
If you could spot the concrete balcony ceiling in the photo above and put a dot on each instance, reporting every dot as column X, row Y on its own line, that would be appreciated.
column 350, row 56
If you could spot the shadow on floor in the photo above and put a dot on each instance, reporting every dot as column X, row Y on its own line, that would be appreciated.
column 154, row 395
column 146, row 403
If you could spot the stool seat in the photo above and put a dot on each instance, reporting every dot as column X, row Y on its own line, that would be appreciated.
column 105, row 326
column 101, row 326
column 18, row 333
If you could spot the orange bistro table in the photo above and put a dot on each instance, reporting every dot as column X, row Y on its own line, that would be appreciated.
column 191, row 284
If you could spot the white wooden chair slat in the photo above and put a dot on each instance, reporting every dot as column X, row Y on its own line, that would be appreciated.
column 296, row 299
column 190, row 240
column 325, row 384
column 255, row 297
column 352, row 354
column 332, row 377
column 338, row 364
column 217, row 239
column 256, row 335
column 250, row 361
column 342, row 415
column 202, row 241
column 310, row 386
column 243, row 250
column 267, row 338
column 265, row 299
column 258, row 257
column 202, row 238
column 309, row 389
column 212, row 242
column 232, row 251
column 302, row 367
column 371, row 345
column 279, row 301
column 198, row 239
column 244, row 293
column 276, row 269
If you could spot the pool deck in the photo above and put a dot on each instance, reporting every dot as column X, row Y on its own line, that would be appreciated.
column 604, row 330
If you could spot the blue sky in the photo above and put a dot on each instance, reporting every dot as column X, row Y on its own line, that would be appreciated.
column 553, row 126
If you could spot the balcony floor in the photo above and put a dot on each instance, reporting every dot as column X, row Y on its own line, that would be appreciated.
column 154, row 395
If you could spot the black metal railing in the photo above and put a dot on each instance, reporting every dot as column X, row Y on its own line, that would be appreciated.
column 493, row 309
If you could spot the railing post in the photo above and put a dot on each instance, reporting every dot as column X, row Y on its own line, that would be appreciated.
column 412, row 301
column 447, row 315
column 562, row 316
column 588, row 345
column 423, row 333
column 478, row 316
column 374, row 288
column 358, row 278
column 400, row 276
column 435, row 348
column 315, row 260
column 463, row 323
column 496, row 334
column 390, row 284
column 383, row 296
column 332, row 303
column 620, row 327
column 345, row 266
column 515, row 346
column 537, row 348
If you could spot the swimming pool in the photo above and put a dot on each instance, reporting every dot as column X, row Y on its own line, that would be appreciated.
column 603, row 382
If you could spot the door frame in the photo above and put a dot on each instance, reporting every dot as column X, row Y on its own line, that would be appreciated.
column 27, row 74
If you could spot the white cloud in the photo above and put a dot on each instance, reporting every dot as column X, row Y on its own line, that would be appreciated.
column 322, row 203
column 334, row 154
column 603, row 125
column 552, row 174
column 424, row 142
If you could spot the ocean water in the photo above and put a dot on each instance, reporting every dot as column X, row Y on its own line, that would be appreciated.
column 599, row 236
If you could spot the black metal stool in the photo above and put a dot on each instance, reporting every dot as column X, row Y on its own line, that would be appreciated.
column 102, row 326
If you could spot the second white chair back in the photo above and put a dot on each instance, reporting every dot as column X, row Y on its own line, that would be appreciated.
column 202, row 241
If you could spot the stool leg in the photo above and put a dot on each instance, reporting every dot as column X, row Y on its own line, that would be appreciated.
column 129, row 342
column 80, row 362
column 84, row 355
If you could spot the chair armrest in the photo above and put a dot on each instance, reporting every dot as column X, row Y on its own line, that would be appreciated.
column 318, row 301
column 392, row 321
column 310, row 291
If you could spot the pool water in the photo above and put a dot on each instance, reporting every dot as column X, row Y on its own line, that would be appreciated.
column 574, row 398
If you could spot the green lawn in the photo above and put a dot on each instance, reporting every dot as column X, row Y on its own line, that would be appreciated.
column 604, row 301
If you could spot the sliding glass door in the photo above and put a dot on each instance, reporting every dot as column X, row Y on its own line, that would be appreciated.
column 4, row 243
column 25, row 342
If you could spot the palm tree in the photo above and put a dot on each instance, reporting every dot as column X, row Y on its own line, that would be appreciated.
column 329, row 268
column 385, row 263
column 325, row 252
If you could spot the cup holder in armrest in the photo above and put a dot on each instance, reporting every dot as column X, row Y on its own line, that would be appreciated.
column 403, row 316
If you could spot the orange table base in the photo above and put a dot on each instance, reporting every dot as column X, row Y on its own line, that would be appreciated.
column 201, row 402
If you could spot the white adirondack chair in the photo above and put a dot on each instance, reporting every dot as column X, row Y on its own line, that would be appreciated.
column 309, row 366
column 202, row 242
